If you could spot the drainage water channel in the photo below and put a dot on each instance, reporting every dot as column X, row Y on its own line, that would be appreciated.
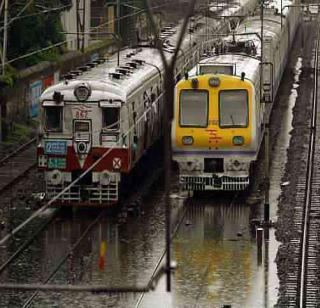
column 277, row 169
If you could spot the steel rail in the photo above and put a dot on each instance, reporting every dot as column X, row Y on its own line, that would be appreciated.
column 157, row 268
column 17, row 151
column 15, row 255
column 76, row 288
column 5, row 160
column 65, row 257
column 303, row 275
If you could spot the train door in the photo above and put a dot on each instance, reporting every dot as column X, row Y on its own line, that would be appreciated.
column 268, row 71
column 82, row 136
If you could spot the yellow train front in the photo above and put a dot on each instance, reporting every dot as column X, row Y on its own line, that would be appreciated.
column 220, row 107
column 217, row 130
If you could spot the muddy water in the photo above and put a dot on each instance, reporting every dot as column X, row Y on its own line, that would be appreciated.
column 277, row 169
column 217, row 261
column 279, row 156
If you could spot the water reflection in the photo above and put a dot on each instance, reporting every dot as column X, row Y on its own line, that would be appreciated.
column 277, row 169
column 217, row 263
column 279, row 156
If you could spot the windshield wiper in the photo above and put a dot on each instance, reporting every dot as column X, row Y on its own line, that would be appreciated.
column 231, row 117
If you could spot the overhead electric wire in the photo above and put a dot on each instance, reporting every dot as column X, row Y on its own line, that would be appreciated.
column 61, row 8
column 66, row 41
column 38, row 51
column 127, row 16
column 13, row 19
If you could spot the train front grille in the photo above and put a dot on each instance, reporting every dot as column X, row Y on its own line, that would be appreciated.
column 213, row 165
column 213, row 183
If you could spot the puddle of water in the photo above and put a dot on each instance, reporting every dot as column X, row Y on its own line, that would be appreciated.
column 279, row 158
column 217, row 262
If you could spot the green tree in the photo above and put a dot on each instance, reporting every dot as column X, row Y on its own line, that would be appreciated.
column 36, row 28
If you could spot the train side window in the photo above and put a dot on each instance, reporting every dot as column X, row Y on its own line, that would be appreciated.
column 111, row 118
column 53, row 119
column 194, row 108
column 233, row 108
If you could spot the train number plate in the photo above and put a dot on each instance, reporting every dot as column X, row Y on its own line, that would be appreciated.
column 57, row 147
column 57, row 163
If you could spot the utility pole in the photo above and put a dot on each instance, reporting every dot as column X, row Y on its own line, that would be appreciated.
column 118, row 17
column 81, row 16
column 266, row 131
column 118, row 31
column 83, row 24
column 5, row 36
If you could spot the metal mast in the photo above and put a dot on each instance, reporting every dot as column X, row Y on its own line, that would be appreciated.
column 5, row 36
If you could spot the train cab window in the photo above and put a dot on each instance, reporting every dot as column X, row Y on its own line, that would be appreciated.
column 194, row 108
column 111, row 118
column 233, row 108
column 53, row 119
column 82, row 126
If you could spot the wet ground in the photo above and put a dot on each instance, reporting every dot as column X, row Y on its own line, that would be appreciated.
column 297, row 156
column 215, row 250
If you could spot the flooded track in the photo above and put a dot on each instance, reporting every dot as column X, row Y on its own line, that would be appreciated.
column 214, row 248
column 14, row 165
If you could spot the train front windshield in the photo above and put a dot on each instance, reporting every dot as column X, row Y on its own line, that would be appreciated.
column 53, row 119
column 194, row 108
column 233, row 108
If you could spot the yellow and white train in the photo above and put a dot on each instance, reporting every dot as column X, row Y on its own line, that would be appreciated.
column 219, row 109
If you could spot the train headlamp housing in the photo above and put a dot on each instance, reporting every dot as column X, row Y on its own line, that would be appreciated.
column 105, row 178
column 81, row 147
column 187, row 140
column 56, row 177
column 214, row 82
column 82, row 92
column 194, row 83
column 238, row 140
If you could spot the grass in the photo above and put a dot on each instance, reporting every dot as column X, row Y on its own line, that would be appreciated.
column 19, row 133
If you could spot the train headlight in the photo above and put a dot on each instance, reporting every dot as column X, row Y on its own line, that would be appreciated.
column 236, row 165
column 55, row 177
column 238, row 140
column 105, row 178
column 82, row 92
column 187, row 140
column 214, row 82
column 194, row 83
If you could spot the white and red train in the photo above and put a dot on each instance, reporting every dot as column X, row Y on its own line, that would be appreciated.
column 114, row 112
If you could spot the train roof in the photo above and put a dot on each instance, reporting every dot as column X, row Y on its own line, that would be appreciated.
column 121, row 81
column 234, row 8
column 239, row 63
column 140, row 64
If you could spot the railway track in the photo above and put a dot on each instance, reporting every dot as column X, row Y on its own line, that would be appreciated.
column 16, row 164
column 130, row 205
column 308, row 286
column 302, row 285
column 180, row 217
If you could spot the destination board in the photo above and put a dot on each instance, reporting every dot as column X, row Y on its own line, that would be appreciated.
column 57, row 147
